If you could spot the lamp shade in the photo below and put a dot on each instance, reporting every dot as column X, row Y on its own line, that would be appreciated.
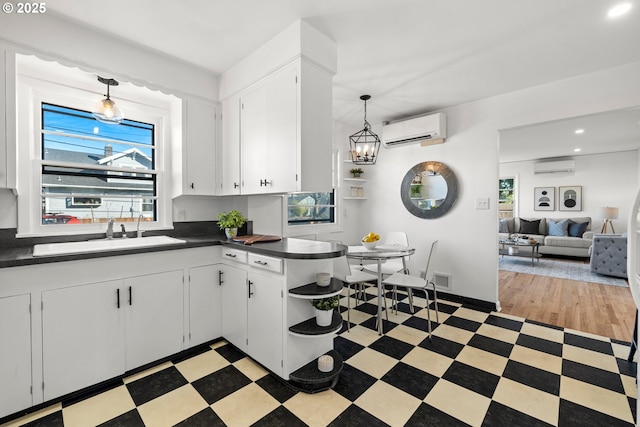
column 608, row 213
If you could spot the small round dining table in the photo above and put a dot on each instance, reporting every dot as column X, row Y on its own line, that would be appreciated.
column 379, row 254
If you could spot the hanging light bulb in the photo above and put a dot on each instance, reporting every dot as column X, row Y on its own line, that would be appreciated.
column 364, row 144
column 106, row 110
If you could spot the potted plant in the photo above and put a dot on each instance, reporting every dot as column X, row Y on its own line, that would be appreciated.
column 356, row 172
column 324, row 309
column 416, row 190
column 230, row 222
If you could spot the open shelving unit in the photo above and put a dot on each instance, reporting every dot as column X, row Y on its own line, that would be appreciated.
column 309, row 378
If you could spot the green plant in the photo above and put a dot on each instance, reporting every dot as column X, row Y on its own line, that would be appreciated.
column 231, row 219
column 356, row 171
column 416, row 190
column 326, row 303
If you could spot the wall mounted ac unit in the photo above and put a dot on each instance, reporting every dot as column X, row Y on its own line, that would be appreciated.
column 554, row 166
column 429, row 129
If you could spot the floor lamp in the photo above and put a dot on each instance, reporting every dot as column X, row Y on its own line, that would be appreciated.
column 608, row 214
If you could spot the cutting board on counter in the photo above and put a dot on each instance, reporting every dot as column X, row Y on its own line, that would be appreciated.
column 256, row 238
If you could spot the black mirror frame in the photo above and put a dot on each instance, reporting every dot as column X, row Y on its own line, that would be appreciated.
column 452, row 189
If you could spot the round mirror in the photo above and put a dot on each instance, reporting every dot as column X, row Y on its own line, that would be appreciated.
column 429, row 189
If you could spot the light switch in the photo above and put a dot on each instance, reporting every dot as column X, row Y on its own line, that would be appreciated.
column 482, row 203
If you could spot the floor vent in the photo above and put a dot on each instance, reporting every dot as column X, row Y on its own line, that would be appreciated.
column 442, row 280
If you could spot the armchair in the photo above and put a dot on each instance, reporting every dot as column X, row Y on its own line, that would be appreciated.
column 609, row 255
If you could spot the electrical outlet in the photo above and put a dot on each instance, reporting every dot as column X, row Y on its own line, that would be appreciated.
column 482, row 203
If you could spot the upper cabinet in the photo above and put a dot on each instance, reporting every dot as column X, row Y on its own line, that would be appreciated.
column 194, row 160
column 268, row 134
column 7, row 119
column 277, row 117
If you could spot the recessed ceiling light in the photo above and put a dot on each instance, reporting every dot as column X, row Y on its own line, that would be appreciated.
column 579, row 131
column 619, row 10
column 577, row 150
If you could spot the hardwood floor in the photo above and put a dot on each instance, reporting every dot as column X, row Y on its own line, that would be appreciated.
column 589, row 307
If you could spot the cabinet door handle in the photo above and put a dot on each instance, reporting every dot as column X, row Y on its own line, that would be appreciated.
column 220, row 281
column 235, row 185
column 118, row 297
column 249, row 283
column 192, row 185
column 231, row 255
column 130, row 296
column 260, row 262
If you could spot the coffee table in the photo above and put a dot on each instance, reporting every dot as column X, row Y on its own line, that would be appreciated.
column 531, row 250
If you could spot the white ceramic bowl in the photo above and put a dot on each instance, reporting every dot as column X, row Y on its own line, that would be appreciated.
column 370, row 245
column 323, row 279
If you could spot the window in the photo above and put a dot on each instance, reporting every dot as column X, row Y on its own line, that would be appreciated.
column 93, row 171
column 506, row 197
column 311, row 208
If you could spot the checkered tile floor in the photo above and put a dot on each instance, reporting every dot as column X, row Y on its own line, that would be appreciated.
column 481, row 369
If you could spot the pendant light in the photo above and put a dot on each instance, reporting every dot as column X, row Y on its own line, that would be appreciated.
column 365, row 144
column 106, row 110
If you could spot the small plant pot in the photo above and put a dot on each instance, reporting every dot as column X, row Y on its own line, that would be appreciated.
column 323, row 317
column 231, row 232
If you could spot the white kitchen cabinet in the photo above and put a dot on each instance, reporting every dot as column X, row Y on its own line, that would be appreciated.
column 252, row 306
column 204, row 304
column 282, row 125
column 229, row 148
column 7, row 119
column 264, row 325
column 15, row 356
column 154, row 317
column 195, row 160
column 97, row 331
column 268, row 134
column 234, row 295
column 82, row 336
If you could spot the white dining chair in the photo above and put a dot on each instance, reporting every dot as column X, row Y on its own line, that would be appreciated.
column 342, row 270
column 393, row 265
column 404, row 280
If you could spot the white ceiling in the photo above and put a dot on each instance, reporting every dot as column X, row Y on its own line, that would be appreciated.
column 411, row 56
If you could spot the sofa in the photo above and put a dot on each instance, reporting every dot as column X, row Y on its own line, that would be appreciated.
column 609, row 255
column 557, row 236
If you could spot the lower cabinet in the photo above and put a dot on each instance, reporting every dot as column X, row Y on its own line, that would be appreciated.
column 15, row 356
column 234, row 295
column 252, row 313
column 264, row 319
column 154, row 317
column 82, row 336
column 204, row 304
column 94, row 332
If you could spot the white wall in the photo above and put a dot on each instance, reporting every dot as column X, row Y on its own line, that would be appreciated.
column 606, row 180
column 468, row 237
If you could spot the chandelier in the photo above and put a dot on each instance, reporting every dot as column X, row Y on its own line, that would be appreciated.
column 364, row 144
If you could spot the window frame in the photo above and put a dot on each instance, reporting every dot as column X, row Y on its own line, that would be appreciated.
column 32, row 92
column 332, row 206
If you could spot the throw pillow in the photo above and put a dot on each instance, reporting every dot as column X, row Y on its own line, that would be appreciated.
column 577, row 229
column 558, row 228
column 503, row 226
column 529, row 227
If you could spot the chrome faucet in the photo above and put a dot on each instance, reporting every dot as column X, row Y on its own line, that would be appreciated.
column 110, row 229
column 138, row 232
column 124, row 231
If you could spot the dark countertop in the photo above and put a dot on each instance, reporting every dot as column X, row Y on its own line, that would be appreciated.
column 18, row 252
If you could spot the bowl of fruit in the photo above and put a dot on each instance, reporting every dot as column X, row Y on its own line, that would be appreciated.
column 370, row 240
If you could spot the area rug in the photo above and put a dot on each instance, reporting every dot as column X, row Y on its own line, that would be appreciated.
column 560, row 269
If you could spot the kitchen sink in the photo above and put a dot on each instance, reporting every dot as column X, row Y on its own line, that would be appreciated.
column 101, row 245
